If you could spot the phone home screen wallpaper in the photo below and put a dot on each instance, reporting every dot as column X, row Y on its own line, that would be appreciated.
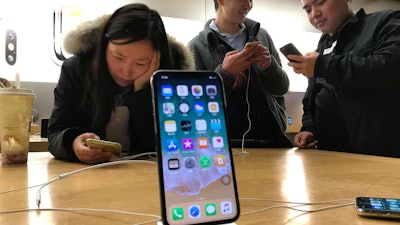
column 196, row 160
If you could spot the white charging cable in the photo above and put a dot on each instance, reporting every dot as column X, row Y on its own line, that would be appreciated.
column 64, row 175
column 248, row 114
column 332, row 205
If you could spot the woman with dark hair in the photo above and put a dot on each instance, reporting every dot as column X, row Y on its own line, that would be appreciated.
column 103, row 91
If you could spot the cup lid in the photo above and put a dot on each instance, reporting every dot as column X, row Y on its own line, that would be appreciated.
column 16, row 91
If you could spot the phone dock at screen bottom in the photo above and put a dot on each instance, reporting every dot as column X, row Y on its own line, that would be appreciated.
column 161, row 223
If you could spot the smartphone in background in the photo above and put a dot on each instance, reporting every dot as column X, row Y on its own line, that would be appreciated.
column 43, row 128
column 108, row 146
column 196, row 172
column 289, row 49
column 378, row 207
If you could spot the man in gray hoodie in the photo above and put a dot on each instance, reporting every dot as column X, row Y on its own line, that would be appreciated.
column 246, row 58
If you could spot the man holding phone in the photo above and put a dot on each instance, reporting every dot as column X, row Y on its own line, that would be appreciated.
column 246, row 58
column 351, row 103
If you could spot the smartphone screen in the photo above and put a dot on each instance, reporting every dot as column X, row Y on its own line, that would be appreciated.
column 378, row 207
column 197, row 180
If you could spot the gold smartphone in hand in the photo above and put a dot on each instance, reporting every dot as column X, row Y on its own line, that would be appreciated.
column 251, row 44
column 107, row 146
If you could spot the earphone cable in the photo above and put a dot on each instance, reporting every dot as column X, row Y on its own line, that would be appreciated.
column 248, row 113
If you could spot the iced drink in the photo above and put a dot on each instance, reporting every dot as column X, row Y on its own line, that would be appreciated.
column 15, row 119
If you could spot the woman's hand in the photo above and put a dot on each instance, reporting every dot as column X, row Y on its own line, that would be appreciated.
column 89, row 155
column 141, row 82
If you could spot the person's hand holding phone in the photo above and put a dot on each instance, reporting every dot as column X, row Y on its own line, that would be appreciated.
column 261, row 56
column 304, row 64
column 300, row 64
column 89, row 155
column 236, row 62
column 251, row 45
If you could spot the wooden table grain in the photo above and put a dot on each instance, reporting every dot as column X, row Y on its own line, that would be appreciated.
column 266, row 178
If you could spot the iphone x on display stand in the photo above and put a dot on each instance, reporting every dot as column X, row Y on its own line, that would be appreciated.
column 196, row 172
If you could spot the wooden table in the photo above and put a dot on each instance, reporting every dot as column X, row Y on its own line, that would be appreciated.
column 38, row 144
column 277, row 174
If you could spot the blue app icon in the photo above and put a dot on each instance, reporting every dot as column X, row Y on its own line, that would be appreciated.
column 166, row 90
column 215, row 124
column 172, row 144
column 199, row 107
column 194, row 211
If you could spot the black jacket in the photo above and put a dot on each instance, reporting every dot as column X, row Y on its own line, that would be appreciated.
column 71, row 112
column 364, row 71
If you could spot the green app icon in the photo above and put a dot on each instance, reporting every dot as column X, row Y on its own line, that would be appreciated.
column 205, row 162
column 211, row 209
column 177, row 213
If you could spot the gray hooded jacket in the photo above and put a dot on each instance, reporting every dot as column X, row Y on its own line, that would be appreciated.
column 274, row 82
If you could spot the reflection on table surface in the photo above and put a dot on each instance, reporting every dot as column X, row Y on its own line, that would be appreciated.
column 266, row 178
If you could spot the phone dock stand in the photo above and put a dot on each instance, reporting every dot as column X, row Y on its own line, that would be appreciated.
column 161, row 223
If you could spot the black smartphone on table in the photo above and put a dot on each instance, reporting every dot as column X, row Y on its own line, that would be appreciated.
column 378, row 207
column 289, row 49
column 196, row 171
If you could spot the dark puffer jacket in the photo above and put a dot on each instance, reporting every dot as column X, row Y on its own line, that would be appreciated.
column 71, row 115
column 364, row 73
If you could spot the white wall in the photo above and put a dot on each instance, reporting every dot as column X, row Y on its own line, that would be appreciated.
column 33, row 23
